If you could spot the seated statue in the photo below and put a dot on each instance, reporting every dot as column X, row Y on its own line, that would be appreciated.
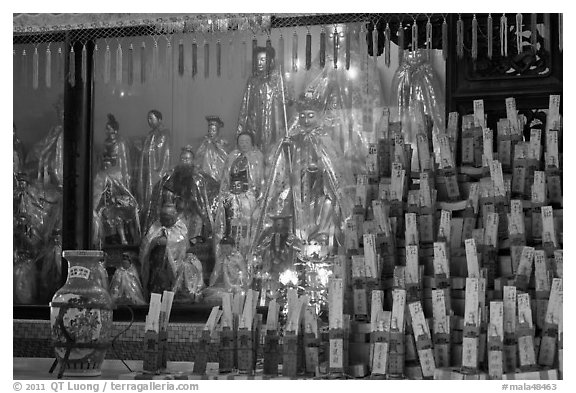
column 211, row 155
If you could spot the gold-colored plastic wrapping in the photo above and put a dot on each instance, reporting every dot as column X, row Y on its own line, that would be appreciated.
column 211, row 156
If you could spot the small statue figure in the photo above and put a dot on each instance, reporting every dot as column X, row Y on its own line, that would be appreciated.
column 125, row 286
column 211, row 155
column 154, row 160
column 189, row 280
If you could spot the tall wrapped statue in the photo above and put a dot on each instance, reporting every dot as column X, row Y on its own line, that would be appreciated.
column 262, row 108
column 116, row 146
column 154, row 161
column 211, row 155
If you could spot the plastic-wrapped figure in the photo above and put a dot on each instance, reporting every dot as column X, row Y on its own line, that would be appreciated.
column 125, row 286
column 189, row 281
column 115, row 146
column 236, row 206
column 195, row 193
column 154, row 161
column 262, row 108
column 163, row 247
column 211, row 155
column 18, row 152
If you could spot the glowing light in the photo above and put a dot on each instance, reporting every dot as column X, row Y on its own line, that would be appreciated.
column 288, row 277
column 352, row 73
column 122, row 93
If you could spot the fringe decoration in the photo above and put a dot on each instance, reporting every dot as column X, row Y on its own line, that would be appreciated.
column 35, row 68
column 143, row 61
column 254, row 45
column 336, row 45
column 547, row 44
column 322, row 48
column 534, row 31
column 519, row 32
column 244, row 58
column 194, row 58
column 84, row 65
column 444, row 39
column 400, row 44
column 429, row 38
column 474, row 38
column 490, row 36
column 295, row 52
column 218, row 58
column 206, row 60
column 119, row 64
column 107, row 56
column 375, row 43
column 48, row 67
column 155, row 59
column 281, row 62
column 460, row 37
column 181, row 58
column 168, row 57
column 308, row 50
column 130, row 65
column 347, row 48
column 414, row 36
column 72, row 69
column 387, row 45
column 504, row 36
column 560, row 30
column 24, row 74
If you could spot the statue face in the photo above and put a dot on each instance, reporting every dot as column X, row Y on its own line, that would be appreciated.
column 212, row 129
column 153, row 121
column 111, row 132
column 308, row 118
column 187, row 158
column 168, row 215
column 261, row 61
column 244, row 143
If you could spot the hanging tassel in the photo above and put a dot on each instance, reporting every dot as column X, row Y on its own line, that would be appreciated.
column 295, row 52
column 48, row 67
column 107, row 56
column 308, row 50
column 143, row 63
column 281, row 62
column 387, row 45
column 24, row 74
column 155, row 59
column 230, row 54
column 130, row 65
column 254, row 45
column 375, row 43
column 322, row 48
column 519, row 32
column 181, row 58
column 414, row 36
column 400, row 44
column 194, row 58
column 206, row 60
column 218, row 58
column 336, row 43
column 168, row 56
column 35, row 68
column 347, row 47
column 490, row 36
column 504, row 36
column 429, row 38
column 84, row 64
column 444, row 39
column 72, row 69
column 362, row 47
column 94, row 57
column 534, row 31
column 268, row 58
column 119, row 64
column 244, row 58
column 560, row 30
column 474, row 38
column 460, row 37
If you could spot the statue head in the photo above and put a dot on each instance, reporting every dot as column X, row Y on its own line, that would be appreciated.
column 214, row 125
column 112, row 126
column 154, row 118
column 245, row 141
column 187, row 155
column 309, row 109
column 168, row 214
column 264, row 59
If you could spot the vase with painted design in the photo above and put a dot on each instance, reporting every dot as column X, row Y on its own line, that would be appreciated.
column 81, row 316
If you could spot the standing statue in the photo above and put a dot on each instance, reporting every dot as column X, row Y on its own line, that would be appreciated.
column 211, row 155
column 116, row 146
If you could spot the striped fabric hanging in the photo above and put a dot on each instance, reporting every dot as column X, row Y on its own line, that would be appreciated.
column 519, row 29
column 206, row 60
column 155, row 59
column 474, row 38
column 295, row 52
column 130, row 65
column 107, row 65
column 143, row 62
column 387, row 45
column 72, row 67
column 375, row 44
column 244, row 58
column 415, row 35
column 194, row 58
column 490, row 36
column 60, row 65
column 169, row 56
column 119, row 64
column 308, row 50
column 336, row 45
column 400, row 44
column 444, row 39
column 181, row 57
column 84, row 64
column 322, row 48
column 35, row 68
column 460, row 37
column 281, row 63
column 504, row 36
column 268, row 58
column 230, row 55
column 24, row 75
column 254, row 45
column 429, row 38
column 347, row 46
column 218, row 58
column 48, row 75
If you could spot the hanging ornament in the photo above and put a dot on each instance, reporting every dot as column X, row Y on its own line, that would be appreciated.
column 560, row 30
column 429, row 38
column 308, row 50
column 336, row 43
column 490, row 36
column 268, row 58
column 400, row 43
column 218, row 58
column 143, row 63
column 519, row 29
column 375, row 43
column 206, row 60
column 24, row 74
column 181, row 57
column 107, row 56
column 504, row 36
column 281, row 63
column 194, row 58
column 155, row 59
column 295, row 52
column 347, row 47
column 460, row 37
column 534, row 31
column 168, row 56
column 322, row 47
column 244, row 58
column 254, row 45
column 444, row 39
column 363, row 47
column 119, row 64
column 387, row 45
column 230, row 61
column 35, row 68
column 60, row 64
column 130, row 65
column 48, row 67
column 84, row 64
column 474, row 38
column 72, row 67
column 415, row 36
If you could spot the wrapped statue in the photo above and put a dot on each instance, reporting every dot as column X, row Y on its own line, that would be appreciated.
column 189, row 281
column 154, row 160
column 262, row 108
column 115, row 146
column 125, row 286
column 195, row 194
column 163, row 248
column 236, row 207
column 211, row 155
